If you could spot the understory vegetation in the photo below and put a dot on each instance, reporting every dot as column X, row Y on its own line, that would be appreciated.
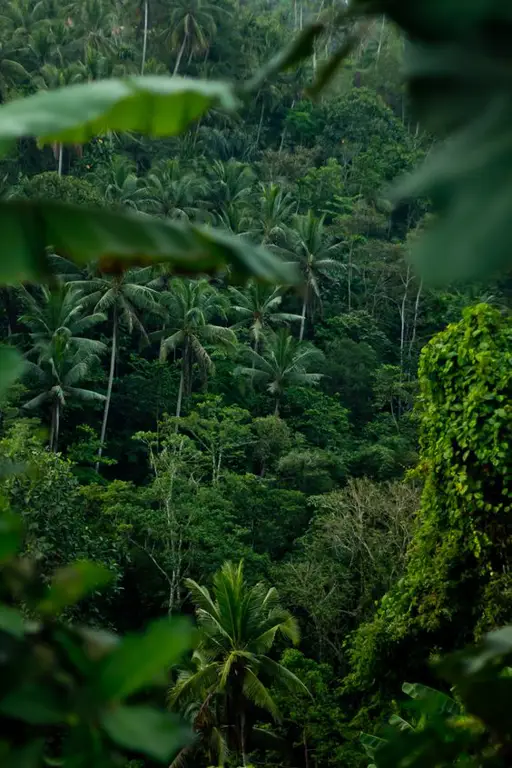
column 316, row 472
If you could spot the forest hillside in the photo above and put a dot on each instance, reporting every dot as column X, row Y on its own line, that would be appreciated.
column 315, row 472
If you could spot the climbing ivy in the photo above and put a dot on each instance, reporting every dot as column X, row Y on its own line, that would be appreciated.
column 457, row 583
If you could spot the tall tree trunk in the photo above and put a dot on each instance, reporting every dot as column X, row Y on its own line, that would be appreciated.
column 416, row 312
column 260, row 124
column 145, row 36
column 381, row 36
column 306, row 754
column 278, row 403
column 57, row 427
column 402, row 317
column 242, row 738
column 283, row 134
column 54, row 428
column 303, row 315
column 180, row 392
column 180, row 54
column 61, row 155
column 109, row 388
column 349, row 276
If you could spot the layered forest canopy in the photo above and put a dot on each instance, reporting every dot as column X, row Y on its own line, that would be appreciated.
column 329, row 459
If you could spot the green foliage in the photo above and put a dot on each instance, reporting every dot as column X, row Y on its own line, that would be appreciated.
column 238, row 626
column 64, row 688
column 459, row 548
column 181, row 495
column 64, row 189
column 80, row 112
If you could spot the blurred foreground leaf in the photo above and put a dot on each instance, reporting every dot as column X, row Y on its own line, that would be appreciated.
column 30, row 228
column 157, row 734
column 71, row 584
column 140, row 658
column 156, row 105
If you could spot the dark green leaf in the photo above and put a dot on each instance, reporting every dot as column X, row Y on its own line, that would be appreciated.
column 155, row 105
column 71, row 584
column 33, row 704
column 28, row 756
column 469, row 182
column 437, row 702
column 146, row 730
column 84, row 235
column 11, row 363
column 328, row 70
column 11, row 621
column 140, row 658
column 370, row 743
column 300, row 48
column 439, row 19
column 10, row 536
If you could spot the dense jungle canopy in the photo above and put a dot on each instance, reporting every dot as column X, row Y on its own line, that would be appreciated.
column 316, row 472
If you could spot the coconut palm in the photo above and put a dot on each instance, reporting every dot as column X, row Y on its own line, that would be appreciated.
column 48, row 312
column 258, row 308
column 231, row 184
column 95, row 22
column 307, row 244
column 173, row 192
column 12, row 73
column 192, row 305
column 192, row 25
column 122, row 186
column 61, row 367
column 123, row 298
column 274, row 209
column 238, row 625
column 284, row 362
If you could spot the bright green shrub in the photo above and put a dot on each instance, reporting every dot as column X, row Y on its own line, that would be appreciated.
column 458, row 580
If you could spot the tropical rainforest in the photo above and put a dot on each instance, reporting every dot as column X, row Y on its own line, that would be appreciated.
column 316, row 473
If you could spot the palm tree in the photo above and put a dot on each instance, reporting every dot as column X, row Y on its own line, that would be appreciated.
column 307, row 245
column 59, row 311
column 122, row 186
column 173, row 192
column 275, row 209
column 96, row 23
column 284, row 362
column 123, row 297
column 232, row 184
column 259, row 307
column 12, row 73
column 61, row 367
column 192, row 25
column 238, row 626
column 191, row 306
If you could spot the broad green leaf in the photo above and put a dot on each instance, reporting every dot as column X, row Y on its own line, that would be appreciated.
column 437, row 701
column 27, row 756
column 398, row 722
column 140, row 658
column 11, row 364
column 469, row 180
column 29, row 228
column 300, row 48
column 490, row 656
column 71, row 584
column 439, row 19
column 329, row 69
column 11, row 621
column 10, row 536
column 371, row 743
column 146, row 730
column 156, row 105
column 34, row 704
